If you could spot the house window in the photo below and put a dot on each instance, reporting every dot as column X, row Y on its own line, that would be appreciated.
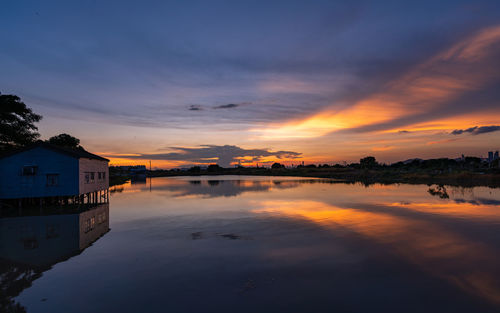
column 101, row 175
column 89, row 177
column 52, row 231
column 101, row 218
column 87, row 226
column 29, row 170
column 52, row 179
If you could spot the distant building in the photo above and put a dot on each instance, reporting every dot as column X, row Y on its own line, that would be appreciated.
column 44, row 170
column 127, row 170
column 138, row 170
column 492, row 156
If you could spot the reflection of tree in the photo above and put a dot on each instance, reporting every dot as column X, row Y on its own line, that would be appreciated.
column 439, row 191
column 116, row 189
column 228, row 188
column 213, row 188
column 14, row 278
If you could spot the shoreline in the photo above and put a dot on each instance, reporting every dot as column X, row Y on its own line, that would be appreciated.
column 368, row 177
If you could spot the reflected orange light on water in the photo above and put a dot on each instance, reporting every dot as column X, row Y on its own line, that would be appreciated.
column 436, row 250
column 491, row 213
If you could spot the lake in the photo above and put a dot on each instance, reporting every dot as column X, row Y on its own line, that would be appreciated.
column 259, row 244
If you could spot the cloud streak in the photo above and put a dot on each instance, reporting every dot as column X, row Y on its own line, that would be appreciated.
column 195, row 108
column 226, row 106
column 428, row 90
column 477, row 130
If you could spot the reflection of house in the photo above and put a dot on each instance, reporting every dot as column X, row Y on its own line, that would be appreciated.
column 42, row 241
column 30, row 245
column 138, row 170
column 43, row 170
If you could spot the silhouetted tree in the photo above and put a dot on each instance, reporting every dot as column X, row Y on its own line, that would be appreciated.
column 495, row 163
column 214, row 168
column 368, row 162
column 195, row 169
column 17, row 123
column 472, row 160
column 277, row 165
column 65, row 140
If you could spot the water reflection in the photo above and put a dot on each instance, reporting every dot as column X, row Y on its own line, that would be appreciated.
column 217, row 186
column 437, row 250
column 31, row 245
column 276, row 244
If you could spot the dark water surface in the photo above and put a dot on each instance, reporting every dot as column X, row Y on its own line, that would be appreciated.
column 260, row 244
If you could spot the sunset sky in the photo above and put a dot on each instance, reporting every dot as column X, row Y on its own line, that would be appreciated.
column 199, row 82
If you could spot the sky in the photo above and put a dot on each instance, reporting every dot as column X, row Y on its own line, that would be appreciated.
column 201, row 82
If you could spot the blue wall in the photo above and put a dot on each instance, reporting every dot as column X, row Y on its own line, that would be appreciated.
column 15, row 185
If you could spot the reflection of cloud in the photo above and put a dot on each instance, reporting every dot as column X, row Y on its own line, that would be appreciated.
column 476, row 130
column 479, row 201
column 223, row 155
column 227, row 188
column 437, row 251
column 219, row 187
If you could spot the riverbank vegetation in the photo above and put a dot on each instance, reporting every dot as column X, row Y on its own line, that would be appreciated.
column 467, row 172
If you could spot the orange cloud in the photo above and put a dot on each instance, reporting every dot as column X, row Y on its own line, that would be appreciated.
column 384, row 148
column 441, row 141
column 445, row 77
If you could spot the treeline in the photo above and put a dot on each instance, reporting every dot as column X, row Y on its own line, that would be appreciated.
column 368, row 163
column 467, row 172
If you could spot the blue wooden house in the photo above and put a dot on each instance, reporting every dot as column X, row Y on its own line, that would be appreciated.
column 46, row 171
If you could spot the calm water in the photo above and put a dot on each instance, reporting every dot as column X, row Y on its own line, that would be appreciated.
column 260, row 244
